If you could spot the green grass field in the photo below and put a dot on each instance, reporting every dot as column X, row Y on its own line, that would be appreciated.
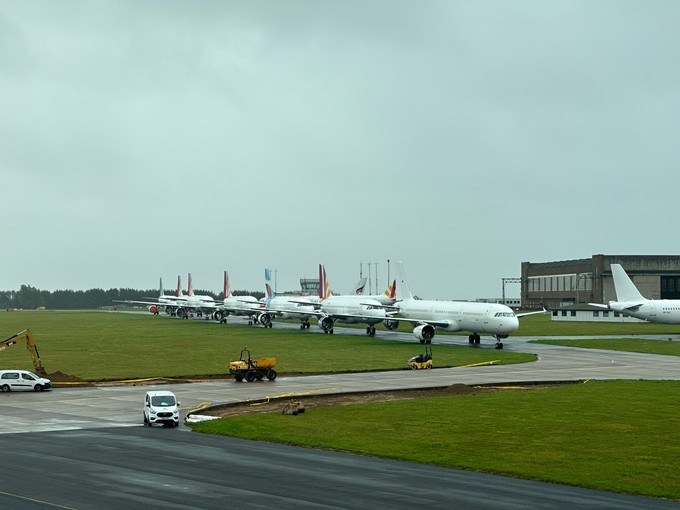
column 620, row 436
column 103, row 346
column 617, row 435
column 621, row 344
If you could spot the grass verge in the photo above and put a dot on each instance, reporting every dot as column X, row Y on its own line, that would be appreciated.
column 621, row 436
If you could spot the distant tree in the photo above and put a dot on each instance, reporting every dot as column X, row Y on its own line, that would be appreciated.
column 30, row 298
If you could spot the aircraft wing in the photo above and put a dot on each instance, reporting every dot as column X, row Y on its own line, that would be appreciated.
column 346, row 316
column 239, row 309
column 420, row 322
column 541, row 311
column 316, row 306
column 154, row 303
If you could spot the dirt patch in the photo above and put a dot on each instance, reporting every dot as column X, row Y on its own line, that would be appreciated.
column 62, row 377
column 336, row 399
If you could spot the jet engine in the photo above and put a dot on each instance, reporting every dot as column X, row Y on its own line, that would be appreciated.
column 424, row 333
column 391, row 324
column 153, row 309
column 325, row 323
column 265, row 319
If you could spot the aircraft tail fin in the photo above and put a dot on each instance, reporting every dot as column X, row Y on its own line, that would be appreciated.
column 324, row 288
column 391, row 291
column 402, row 290
column 360, row 287
column 623, row 286
column 227, row 286
column 190, row 287
column 269, row 293
column 160, row 288
column 179, row 286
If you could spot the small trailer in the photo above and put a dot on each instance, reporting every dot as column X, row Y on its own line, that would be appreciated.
column 252, row 369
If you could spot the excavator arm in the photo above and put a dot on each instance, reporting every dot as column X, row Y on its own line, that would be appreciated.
column 26, row 336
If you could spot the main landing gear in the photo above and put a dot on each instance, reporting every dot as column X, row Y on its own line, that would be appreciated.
column 304, row 325
column 370, row 330
column 474, row 339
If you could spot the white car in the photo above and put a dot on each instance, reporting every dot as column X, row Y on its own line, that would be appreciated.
column 161, row 407
column 13, row 380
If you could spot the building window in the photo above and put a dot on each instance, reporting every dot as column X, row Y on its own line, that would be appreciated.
column 596, row 313
column 564, row 313
column 605, row 314
column 554, row 313
column 573, row 313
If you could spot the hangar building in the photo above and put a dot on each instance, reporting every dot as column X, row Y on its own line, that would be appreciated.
column 571, row 283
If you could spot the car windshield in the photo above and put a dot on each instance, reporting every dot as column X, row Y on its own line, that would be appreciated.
column 163, row 401
column 30, row 376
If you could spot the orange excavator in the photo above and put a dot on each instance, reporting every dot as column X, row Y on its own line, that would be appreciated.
column 26, row 336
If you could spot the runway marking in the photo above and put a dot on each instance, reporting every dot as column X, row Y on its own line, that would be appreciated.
column 40, row 501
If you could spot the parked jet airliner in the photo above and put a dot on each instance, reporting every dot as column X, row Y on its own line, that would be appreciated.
column 353, row 309
column 428, row 315
column 629, row 301
column 289, row 307
column 166, row 301
column 201, row 304
column 248, row 306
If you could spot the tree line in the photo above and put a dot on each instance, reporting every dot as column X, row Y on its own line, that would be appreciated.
column 30, row 298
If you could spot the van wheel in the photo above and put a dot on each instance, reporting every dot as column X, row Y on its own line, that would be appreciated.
column 38, row 387
column 5, row 387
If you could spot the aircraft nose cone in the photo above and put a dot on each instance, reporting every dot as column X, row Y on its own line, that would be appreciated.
column 509, row 325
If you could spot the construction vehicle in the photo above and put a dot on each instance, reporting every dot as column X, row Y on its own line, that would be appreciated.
column 421, row 360
column 251, row 369
column 25, row 336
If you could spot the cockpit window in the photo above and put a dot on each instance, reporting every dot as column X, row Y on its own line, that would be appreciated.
column 504, row 314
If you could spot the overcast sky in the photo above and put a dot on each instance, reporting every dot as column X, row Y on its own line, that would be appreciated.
column 147, row 139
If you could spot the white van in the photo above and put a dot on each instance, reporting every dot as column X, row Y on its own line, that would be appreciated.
column 13, row 380
column 161, row 407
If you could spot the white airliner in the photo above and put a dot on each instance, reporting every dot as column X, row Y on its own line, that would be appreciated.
column 180, row 304
column 629, row 301
column 165, row 301
column 200, row 304
column 289, row 307
column 352, row 309
column 429, row 315
column 248, row 306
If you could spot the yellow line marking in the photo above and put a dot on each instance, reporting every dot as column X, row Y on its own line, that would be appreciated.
column 483, row 363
